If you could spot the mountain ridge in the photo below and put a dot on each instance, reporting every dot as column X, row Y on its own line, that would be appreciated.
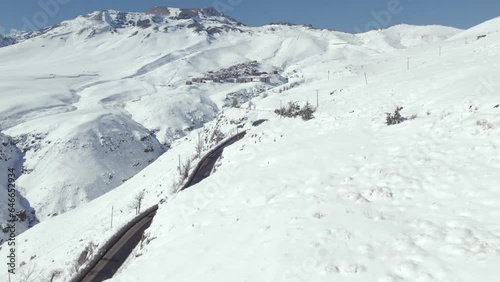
column 207, row 20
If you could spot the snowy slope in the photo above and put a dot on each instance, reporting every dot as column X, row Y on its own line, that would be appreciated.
column 485, row 28
column 342, row 197
column 405, row 36
column 24, row 216
column 109, row 87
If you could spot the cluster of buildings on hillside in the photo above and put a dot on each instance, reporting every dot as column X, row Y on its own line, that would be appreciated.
column 240, row 73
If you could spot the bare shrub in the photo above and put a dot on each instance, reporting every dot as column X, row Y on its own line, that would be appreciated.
column 29, row 274
column 175, row 186
column 484, row 124
column 395, row 118
column 186, row 167
column 217, row 136
column 136, row 203
column 200, row 143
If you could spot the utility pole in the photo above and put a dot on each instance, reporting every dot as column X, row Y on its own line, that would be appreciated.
column 111, row 216
column 366, row 79
column 317, row 98
column 328, row 75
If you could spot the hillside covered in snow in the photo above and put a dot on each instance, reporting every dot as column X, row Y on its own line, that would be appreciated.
column 105, row 105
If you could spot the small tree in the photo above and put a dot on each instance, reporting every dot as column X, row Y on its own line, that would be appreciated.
column 136, row 203
column 394, row 118
column 29, row 274
column 217, row 136
column 281, row 111
column 186, row 167
column 199, row 145
column 294, row 110
column 307, row 112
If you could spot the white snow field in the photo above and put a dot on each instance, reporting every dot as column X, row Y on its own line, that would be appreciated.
column 101, row 110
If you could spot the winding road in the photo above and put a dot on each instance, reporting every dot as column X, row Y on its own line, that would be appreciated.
column 207, row 163
column 116, row 256
column 119, row 251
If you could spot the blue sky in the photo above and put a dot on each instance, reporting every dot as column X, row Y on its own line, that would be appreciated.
column 344, row 15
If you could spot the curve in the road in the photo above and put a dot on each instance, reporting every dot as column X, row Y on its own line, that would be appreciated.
column 116, row 256
column 207, row 163
column 116, row 251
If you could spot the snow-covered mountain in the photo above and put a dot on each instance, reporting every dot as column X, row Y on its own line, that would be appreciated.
column 103, row 105
column 6, row 40
column 404, row 36
column 109, row 87
column 486, row 28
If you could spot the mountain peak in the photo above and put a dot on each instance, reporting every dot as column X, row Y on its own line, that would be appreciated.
column 204, row 12
column 184, row 13
column 158, row 11
column 6, row 40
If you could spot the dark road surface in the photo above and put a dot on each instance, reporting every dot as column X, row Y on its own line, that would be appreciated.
column 117, row 255
column 119, row 252
column 208, row 162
